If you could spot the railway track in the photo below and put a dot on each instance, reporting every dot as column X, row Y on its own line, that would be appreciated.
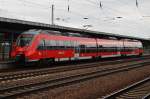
column 138, row 90
column 43, row 71
column 38, row 83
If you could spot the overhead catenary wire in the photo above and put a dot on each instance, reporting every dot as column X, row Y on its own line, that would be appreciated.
column 109, row 12
column 107, row 8
column 112, row 10
column 136, row 4
column 99, row 2
column 31, row 3
column 115, row 11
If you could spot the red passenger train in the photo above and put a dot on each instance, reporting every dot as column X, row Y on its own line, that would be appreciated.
column 35, row 45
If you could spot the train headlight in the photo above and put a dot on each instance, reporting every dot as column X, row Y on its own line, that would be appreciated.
column 39, row 53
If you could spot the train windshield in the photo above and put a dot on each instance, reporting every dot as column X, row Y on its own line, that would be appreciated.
column 24, row 40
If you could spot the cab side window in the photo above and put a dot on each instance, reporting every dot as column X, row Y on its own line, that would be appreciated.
column 41, row 45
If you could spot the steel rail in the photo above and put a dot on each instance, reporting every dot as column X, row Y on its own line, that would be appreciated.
column 30, row 73
column 147, row 96
column 53, row 83
column 129, row 88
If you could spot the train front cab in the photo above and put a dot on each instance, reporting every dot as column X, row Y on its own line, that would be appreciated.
column 21, row 47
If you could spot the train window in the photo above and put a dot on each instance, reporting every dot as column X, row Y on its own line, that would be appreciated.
column 82, row 48
column 104, row 49
column 76, row 47
column 41, row 45
column 53, row 44
column 57, row 43
column 67, row 43
column 76, row 43
column 119, row 49
column 63, row 45
column 127, row 49
column 50, row 46
column 139, row 45
column 91, row 49
column 114, row 49
column 100, row 47
column 24, row 40
column 47, row 44
column 60, row 44
column 70, row 44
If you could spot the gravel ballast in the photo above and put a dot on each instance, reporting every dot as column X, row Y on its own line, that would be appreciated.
column 94, row 88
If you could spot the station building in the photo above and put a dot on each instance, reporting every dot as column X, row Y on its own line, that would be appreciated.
column 11, row 28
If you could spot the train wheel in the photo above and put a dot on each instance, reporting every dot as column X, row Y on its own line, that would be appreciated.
column 46, row 61
column 40, row 62
column 99, row 57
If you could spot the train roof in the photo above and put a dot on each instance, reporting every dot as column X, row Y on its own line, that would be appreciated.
column 70, row 34
column 38, row 31
column 32, row 31
column 53, row 32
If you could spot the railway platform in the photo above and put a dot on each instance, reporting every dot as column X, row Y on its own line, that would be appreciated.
column 5, row 64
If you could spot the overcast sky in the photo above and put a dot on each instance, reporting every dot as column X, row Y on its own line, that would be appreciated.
column 125, row 17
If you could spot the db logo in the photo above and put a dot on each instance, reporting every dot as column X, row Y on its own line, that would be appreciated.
column 60, row 52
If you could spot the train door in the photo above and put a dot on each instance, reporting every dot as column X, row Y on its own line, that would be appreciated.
column 97, row 48
column 77, row 50
column 42, row 49
column 123, row 51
